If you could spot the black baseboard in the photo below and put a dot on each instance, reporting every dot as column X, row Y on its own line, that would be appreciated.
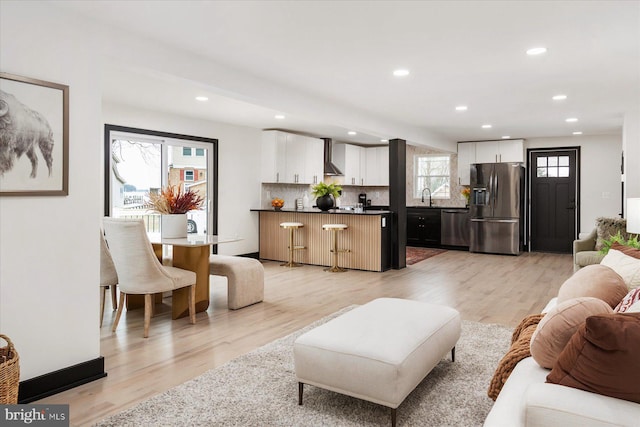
column 255, row 255
column 55, row 382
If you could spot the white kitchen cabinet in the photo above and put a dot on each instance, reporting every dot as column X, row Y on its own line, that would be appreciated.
column 500, row 151
column 377, row 166
column 466, row 156
column 350, row 158
column 291, row 159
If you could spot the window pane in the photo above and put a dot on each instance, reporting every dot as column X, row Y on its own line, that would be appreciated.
column 188, row 175
column 542, row 161
column 199, row 151
column 186, row 151
column 541, row 172
column 563, row 161
column 553, row 161
column 563, row 171
column 432, row 172
column 553, row 172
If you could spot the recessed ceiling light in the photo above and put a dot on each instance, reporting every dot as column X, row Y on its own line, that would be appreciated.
column 571, row 120
column 486, row 126
column 352, row 132
column 401, row 72
column 461, row 108
column 384, row 140
column 577, row 133
column 201, row 98
column 559, row 97
column 506, row 137
column 279, row 116
column 536, row 50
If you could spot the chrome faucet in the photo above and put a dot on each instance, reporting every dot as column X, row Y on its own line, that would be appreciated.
column 430, row 201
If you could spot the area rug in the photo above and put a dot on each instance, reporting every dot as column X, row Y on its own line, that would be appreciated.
column 415, row 255
column 260, row 389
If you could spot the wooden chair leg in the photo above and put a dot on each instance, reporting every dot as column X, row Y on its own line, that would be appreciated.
column 148, row 306
column 192, row 304
column 115, row 322
column 114, row 297
column 102, row 295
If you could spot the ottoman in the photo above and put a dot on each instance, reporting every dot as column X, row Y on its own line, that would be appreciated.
column 379, row 351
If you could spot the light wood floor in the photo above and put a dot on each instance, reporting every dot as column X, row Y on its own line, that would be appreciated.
column 485, row 288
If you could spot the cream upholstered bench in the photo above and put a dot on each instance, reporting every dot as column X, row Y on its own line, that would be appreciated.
column 245, row 279
column 379, row 351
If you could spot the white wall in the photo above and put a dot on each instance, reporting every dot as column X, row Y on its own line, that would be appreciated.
column 600, row 157
column 49, row 259
column 631, row 147
column 238, row 167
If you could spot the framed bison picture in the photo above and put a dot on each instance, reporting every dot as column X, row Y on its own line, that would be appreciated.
column 34, row 137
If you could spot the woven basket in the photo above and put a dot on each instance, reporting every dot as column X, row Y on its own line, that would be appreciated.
column 9, row 373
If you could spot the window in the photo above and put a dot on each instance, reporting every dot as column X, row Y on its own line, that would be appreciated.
column 552, row 167
column 144, row 161
column 432, row 171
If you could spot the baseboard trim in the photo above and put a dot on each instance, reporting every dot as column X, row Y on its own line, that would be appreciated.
column 63, row 379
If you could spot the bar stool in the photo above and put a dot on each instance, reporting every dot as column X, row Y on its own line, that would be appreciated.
column 334, row 228
column 291, row 226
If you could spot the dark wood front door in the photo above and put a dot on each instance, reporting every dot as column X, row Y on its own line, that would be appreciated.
column 554, row 201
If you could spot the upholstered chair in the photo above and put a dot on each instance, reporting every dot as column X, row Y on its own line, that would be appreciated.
column 139, row 271
column 108, row 276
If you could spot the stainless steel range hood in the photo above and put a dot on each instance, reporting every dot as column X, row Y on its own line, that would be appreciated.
column 329, row 167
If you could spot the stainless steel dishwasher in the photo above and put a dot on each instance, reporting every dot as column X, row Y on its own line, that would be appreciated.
column 455, row 227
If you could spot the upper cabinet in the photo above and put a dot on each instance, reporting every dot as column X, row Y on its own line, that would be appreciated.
column 509, row 150
column 502, row 151
column 291, row 159
column 362, row 165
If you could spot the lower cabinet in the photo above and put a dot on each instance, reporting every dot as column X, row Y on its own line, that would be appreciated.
column 423, row 227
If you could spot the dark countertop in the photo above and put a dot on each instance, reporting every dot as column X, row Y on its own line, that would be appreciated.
column 439, row 207
column 330, row 211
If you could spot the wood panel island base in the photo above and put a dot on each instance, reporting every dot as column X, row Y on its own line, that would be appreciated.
column 368, row 238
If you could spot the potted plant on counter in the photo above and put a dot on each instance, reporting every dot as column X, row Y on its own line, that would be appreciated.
column 325, row 195
column 173, row 204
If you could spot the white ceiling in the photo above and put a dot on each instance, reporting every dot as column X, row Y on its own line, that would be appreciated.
column 340, row 55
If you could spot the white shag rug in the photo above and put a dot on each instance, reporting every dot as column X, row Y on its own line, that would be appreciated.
column 260, row 389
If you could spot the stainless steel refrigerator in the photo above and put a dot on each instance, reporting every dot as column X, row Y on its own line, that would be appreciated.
column 497, row 208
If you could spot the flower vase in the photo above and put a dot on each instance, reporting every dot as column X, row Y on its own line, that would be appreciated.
column 173, row 226
column 324, row 203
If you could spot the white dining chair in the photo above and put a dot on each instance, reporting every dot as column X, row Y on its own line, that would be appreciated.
column 139, row 271
column 108, row 277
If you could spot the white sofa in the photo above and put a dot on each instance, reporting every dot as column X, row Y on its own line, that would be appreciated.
column 527, row 400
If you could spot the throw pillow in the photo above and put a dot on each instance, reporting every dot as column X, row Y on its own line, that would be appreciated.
column 627, row 250
column 628, row 301
column 559, row 324
column 607, row 227
column 602, row 357
column 635, row 308
column 627, row 267
column 598, row 281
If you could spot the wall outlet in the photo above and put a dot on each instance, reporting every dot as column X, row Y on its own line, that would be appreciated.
column 606, row 195
column 377, row 194
column 268, row 194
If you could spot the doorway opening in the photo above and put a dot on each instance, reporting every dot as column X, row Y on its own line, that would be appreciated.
column 554, row 198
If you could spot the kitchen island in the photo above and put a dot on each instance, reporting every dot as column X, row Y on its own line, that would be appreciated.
column 368, row 237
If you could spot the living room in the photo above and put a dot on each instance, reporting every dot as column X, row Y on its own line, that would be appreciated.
column 45, row 295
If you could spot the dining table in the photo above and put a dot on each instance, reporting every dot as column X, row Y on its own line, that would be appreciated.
column 190, row 253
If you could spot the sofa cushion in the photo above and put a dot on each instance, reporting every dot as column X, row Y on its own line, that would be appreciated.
column 628, row 301
column 627, row 250
column 559, row 324
column 607, row 227
column 626, row 266
column 602, row 357
column 597, row 281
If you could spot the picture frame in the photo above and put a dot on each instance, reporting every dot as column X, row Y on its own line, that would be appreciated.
column 34, row 137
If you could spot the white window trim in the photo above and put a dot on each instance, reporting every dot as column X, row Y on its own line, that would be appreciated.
column 417, row 192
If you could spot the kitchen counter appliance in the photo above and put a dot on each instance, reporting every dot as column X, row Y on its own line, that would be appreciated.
column 455, row 227
column 497, row 208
